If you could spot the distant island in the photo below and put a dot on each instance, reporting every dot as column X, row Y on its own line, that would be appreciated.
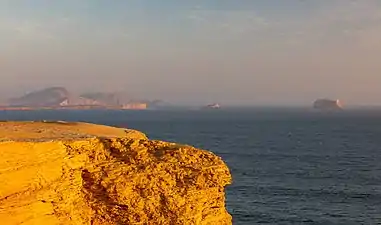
column 327, row 104
column 61, row 98
column 212, row 106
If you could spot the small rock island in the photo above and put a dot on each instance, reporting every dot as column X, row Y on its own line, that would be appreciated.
column 212, row 106
column 57, row 172
column 327, row 104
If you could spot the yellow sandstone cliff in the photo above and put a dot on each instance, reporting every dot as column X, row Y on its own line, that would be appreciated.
column 78, row 173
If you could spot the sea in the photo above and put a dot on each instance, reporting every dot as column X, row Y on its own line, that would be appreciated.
column 289, row 166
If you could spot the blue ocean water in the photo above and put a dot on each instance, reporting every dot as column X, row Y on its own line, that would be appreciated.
column 288, row 166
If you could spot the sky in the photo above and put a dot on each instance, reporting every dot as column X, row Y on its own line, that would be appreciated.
column 238, row 52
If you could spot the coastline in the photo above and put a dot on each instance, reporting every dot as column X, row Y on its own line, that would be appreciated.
column 84, row 107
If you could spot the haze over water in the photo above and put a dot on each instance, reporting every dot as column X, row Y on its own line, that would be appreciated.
column 246, row 52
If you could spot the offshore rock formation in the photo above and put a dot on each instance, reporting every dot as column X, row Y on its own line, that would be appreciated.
column 327, row 105
column 78, row 173
column 212, row 106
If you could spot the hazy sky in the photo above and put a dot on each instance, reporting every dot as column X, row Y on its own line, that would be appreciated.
column 196, row 51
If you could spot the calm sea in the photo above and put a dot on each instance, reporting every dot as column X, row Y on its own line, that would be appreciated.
column 288, row 166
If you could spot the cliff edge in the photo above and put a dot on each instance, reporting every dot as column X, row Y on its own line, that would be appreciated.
column 78, row 173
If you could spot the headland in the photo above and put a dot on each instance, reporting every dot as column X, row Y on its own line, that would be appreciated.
column 57, row 172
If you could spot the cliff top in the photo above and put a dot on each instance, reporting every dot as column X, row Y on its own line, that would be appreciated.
column 60, row 130
column 78, row 173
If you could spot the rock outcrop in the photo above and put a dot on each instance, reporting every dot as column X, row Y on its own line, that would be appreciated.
column 111, row 99
column 327, row 105
column 78, row 173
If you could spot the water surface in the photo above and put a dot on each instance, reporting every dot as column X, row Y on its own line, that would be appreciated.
column 288, row 166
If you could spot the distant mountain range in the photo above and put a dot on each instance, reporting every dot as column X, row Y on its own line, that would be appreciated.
column 61, row 97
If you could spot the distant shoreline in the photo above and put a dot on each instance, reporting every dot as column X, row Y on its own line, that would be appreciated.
column 89, row 107
column 186, row 108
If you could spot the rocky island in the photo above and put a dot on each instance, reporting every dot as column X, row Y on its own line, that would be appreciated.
column 212, row 106
column 327, row 105
column 60, row 98
column 78, row 173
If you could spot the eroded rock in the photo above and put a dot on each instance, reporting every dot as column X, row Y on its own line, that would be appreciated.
column 99, row 179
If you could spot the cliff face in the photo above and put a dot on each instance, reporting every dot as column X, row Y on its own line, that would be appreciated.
column 75, row 173
column 105, row 98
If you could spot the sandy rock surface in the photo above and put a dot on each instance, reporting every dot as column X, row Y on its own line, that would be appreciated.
column 78, row 173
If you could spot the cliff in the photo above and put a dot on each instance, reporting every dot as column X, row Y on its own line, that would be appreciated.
column 111, row 99
column 78, row 173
